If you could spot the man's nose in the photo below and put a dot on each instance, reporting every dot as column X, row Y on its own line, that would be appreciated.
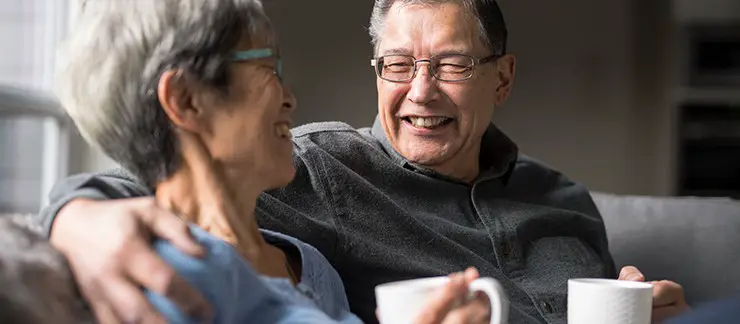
column 423, row 86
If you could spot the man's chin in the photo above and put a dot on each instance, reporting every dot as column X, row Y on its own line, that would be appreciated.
column 427, row 157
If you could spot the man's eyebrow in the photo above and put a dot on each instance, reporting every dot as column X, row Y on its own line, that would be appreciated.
column 403, row 51
column 453, row 51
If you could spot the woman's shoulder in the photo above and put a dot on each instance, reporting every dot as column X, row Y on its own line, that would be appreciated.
column 237, row 291
column 320, row 282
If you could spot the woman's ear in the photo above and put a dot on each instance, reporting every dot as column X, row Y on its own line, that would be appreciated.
column 177, row 97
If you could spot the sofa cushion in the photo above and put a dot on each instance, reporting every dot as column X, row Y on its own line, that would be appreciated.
column 693, row 241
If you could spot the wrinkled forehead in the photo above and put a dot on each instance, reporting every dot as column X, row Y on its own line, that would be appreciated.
column 429, row 29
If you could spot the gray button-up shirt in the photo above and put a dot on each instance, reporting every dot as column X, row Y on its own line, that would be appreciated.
column 378, row 217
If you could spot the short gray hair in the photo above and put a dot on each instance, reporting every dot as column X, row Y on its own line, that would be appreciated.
column 109, row 68
column 491, row 22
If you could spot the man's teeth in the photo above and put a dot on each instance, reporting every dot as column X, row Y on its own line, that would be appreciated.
column 427, row 121
column 283, row 131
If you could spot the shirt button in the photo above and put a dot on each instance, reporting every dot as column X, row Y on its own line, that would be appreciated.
column 546, row 306
column 307, row 292
column 506, row 249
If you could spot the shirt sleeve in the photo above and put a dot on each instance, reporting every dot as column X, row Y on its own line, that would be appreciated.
column 236, row 292
column 112, row 184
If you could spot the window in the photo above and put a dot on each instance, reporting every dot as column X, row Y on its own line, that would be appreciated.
column 32, row 146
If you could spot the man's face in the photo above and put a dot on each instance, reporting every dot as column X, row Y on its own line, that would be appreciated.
column 435, row 123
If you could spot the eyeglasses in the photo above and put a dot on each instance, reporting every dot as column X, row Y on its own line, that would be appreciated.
column 262, row 53
column 447, row 67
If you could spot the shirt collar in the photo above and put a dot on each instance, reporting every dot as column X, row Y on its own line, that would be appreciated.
column 497, row 157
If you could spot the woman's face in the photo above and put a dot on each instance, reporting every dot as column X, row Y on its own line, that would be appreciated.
column 250, row 127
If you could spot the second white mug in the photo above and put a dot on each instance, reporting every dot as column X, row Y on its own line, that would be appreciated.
column 609, row 301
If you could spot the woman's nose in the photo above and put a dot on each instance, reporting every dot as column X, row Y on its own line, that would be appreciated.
column 289, row 100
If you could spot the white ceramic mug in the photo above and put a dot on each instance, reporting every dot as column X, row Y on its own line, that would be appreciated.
column 401, row 302
column 609, row 301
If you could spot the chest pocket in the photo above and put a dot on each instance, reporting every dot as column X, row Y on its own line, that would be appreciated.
column 568, row 255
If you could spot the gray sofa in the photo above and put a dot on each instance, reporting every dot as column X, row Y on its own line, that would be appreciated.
column 693, row 241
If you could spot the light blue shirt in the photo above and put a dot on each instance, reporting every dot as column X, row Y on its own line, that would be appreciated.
column 239, row 295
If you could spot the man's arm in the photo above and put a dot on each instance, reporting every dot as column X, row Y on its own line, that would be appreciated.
column 112, row 184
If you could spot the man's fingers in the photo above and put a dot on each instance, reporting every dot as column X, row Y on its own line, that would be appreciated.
column 147, row 268
column 104, row 313
column 661, row 314
column 666, row 293
column 169, row 227
column 444, row 300
column 631, row 273
column 129, row 303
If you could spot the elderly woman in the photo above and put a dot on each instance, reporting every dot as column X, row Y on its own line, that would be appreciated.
column 188, row 95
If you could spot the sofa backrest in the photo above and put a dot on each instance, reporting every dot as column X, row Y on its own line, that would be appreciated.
column 693, row 241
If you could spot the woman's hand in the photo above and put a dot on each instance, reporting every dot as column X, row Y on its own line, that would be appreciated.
column 108, row 248
column 451, row 306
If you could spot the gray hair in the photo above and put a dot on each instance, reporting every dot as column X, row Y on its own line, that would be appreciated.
column 491, row 24
column 109, row 68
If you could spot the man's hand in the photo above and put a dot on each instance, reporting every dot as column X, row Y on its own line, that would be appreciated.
column 451, row 306
column 108, row 248
column 668, row 296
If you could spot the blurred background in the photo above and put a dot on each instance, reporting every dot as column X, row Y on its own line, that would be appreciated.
column 626, row 96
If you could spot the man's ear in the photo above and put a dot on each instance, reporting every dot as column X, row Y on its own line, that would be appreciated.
column 177, row 96
column 506, row 68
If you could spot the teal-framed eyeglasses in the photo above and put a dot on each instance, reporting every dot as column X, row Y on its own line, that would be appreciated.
column 261, row 53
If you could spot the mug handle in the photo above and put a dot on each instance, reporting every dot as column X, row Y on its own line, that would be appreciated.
column 497, row 297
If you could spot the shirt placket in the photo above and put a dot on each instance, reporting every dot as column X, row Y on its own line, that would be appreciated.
column 507, row 249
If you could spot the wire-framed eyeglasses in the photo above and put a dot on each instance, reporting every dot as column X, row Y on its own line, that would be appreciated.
column 446, row 67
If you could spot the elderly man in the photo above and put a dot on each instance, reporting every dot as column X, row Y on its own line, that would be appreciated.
column 433, row 187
